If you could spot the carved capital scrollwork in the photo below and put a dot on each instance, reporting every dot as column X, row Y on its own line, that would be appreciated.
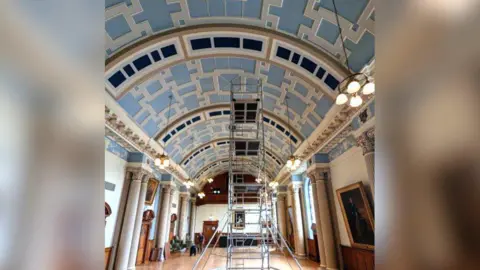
column 139, row 174
column 318, row 174
column 367, row 141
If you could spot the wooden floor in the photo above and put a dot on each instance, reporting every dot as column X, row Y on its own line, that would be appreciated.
column 217, row 261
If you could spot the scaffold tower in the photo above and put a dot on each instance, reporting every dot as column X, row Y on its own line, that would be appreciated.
column 249, row 224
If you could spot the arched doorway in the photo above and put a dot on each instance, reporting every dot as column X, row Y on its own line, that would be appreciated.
column 173, row 220
column 144, row 245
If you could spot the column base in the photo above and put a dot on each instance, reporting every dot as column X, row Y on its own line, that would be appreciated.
column 300, row 256
column 156, row 255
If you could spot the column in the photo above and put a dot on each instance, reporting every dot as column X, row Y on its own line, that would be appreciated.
column 138, row 224
column 367, row 142
column 162, row 222
column 321, row 248
column 193, row 212
column 319, row 175
column 128, row 226
column 281, row 210
column 169, row 213
column 183, row 216
column 274, row 212
column 298, row 222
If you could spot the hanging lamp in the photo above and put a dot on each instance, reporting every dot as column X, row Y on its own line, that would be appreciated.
column 293, row 163
column 349, row 88
column 162, row 160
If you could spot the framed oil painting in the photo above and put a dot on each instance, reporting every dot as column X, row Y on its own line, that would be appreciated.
column 357, row 215
column 239, row 220
column 152, row 187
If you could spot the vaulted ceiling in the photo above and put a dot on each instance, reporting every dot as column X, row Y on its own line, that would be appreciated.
column 192, row 50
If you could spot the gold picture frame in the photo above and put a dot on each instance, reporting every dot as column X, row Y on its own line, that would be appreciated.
column 152, row 187
column 239, row 219
column 357, row 215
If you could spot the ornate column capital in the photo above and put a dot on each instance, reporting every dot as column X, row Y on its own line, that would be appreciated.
column 295, row 187
column 367, row 141
column 139, row 174
column 317, row 174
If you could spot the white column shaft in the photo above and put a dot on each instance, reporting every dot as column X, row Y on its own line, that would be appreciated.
column 138, row 226
column 128, row 226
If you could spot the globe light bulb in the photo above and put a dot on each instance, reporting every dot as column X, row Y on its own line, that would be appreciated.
column 353, row 87
column 297, row 162
column 166, row 162
column 341, row 99
column 157, row 162
column 368, row 88
column 356, row 101
column 289, row 163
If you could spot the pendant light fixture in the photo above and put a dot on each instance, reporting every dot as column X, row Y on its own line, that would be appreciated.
column 349, row 88
column 189, row 183
column 162, row 160
column 293, row 162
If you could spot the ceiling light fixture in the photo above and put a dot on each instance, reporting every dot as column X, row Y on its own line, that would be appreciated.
column 273, row 184
column 349, row 88
column 293, row 162
column 162, row 160
column 189, row 183
column 210, row 180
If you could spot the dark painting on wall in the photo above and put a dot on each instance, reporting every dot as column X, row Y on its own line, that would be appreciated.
column 239, row 219
column 357, row 215
column 151, row 191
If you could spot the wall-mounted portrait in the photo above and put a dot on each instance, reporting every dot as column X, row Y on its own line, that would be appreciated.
column 152, row 187
column 357, row 215
column 239, row 219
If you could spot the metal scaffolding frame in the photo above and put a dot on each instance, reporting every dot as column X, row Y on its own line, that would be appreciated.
column 246, row 118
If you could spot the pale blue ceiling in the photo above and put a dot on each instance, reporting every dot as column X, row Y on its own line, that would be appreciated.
column 205, row 83
column 130, row 20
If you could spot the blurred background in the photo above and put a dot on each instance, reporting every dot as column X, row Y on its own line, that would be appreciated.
column 51, row 144
column 428, row 158
column 52, row 115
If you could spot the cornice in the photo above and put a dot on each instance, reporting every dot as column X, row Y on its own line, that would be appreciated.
column 120, row 126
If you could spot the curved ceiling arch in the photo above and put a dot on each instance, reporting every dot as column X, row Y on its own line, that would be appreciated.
column 215, row 111
column 224, row 141
column 128, row 21
column 147, row 103
column 284, row 60
column 211, row 129
column 213, row 152
column 220, row 166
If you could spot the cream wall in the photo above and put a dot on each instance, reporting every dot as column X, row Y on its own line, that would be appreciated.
column 115, row 174
column 217, row 211
column 346, row 169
